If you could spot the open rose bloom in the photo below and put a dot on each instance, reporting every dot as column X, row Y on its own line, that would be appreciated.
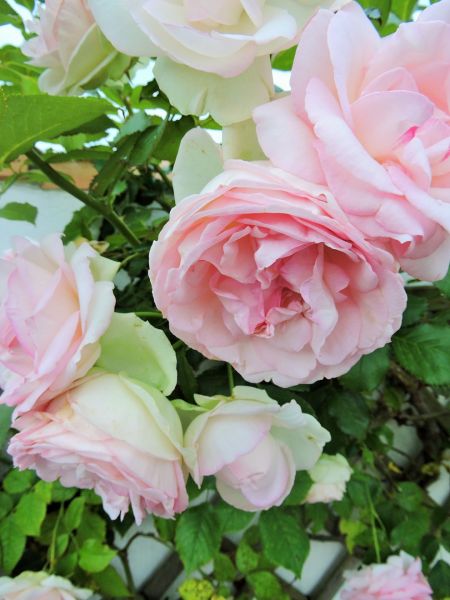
column 269, row 444
column 71, row 47
column 40, row 586
column 111, row 434
column 222, row 37
column 55, row 304
column 374, row 125
column 400, row 578
column 207, row 50
column 262, row 270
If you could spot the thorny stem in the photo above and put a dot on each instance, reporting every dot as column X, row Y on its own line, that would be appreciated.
column 87, row 199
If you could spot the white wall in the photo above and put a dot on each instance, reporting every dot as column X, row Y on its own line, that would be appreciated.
column 55, row 209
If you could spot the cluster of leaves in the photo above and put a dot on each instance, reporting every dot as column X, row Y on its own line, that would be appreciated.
column 225, row 552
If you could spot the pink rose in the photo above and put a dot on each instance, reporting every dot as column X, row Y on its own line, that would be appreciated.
column 400, row 578
column 263, row 270
column 119, row 437
column 71, row 47
column 40, row 586
column 374, row 124
column 270, row 443
column 55, row 304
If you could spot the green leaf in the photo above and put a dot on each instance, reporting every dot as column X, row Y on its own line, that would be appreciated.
column 439, row 579
column 352, row 530
column 360, row 486
column 198, row 536
column 91, row 497
column 186, row 376
column 416, row 307
column 444, row 284
column 409, row 496
column 351, row 413
column 12, row 544
column 135, row 124
column 44, row 490
column 111, row 584
column 95, row 556
column 378, row 10
column 92, row 526
column 5, row 422
column 66, row 565
column 368, row 372
column 409, row 533
column 224, row 569
column 266, row 586
column 247, row 559
column 6, row 504
column 318, row 514
column 25, row 120
column 143, row 352
column 285, row 542
column 74, row 514
column 62, row 541
column 30, row 513
column 300, row 489
column 17, row 482
column 165, row 528
column 61, row 493
column 403, row 8
column 146, row 144
column 173, row 134
column 230, row 518
column 284, row 59
column 424, row 351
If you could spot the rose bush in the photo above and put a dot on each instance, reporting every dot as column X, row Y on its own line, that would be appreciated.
column 40, row 586
column 264, row 271
column 71, row 48
column 390, row 174
column 270, row 444
column 287, row 269
column 55, row 304
column 111, row 434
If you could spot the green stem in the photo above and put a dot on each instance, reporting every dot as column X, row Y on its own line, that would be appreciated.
column 149, row 314
column 426, row 417
column 87, row 199
column 129, row 576
column 230, row 377
column 178, row 345
column 376, row 543
column 54, row 535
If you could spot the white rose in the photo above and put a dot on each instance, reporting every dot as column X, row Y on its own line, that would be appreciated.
column 72, row 48
column 200, row 42
column 40, row 586
column 252, row 445
column 330, row 475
